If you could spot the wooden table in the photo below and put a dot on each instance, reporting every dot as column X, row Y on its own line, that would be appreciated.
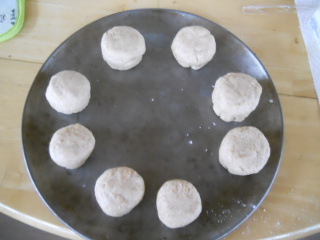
column 291, row 209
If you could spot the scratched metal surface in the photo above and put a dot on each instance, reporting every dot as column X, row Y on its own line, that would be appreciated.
column 156, row 118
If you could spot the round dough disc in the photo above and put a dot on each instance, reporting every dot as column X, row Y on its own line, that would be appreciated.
column 235, row 96
column 244, row 151
column 178, row 203
column 194, row 47
column 119, row 190
column 122, row 47
column 68, row 92
column 71, row 146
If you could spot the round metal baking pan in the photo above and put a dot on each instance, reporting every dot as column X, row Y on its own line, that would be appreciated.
column 156, row 118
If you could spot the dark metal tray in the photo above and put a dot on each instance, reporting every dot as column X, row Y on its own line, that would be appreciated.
column 156, row 118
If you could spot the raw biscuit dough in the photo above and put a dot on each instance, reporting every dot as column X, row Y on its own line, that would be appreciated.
column 235, row 96
column 244, row 151
column 119, row 190
column 71, row 146
column 68, row 92
column 178, row 203
column 194, row 47
column 122, row 47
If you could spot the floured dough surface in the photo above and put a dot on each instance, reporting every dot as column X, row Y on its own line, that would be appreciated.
column 178, row 203
column 71, row 146
column 235, row 96
column 68, row 92
column 122, row 47
column 119, row 190
column 194, row 47
column 244, row 151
